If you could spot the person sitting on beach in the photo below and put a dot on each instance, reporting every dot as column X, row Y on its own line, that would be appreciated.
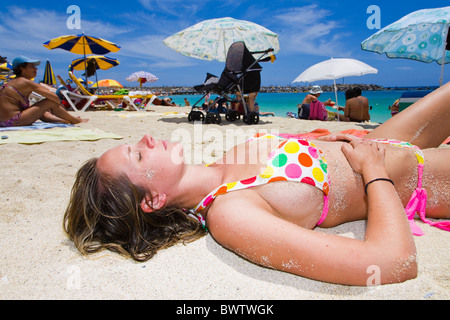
column 15, row 107
column 365, row 103
column 395, row 107
column 312, row 96
column 136, row 199
column 354, row 107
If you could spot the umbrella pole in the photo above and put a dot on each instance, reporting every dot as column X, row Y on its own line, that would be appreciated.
column 335, row 94
column 443, row 59
column 85, row 64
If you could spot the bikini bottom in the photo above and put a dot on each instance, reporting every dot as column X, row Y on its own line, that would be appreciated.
column 14, row 121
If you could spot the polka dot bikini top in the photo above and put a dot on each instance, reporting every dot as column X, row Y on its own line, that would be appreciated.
column 292, row 160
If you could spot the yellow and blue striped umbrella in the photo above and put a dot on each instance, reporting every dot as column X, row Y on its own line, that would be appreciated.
column 6, row 66
column 102, row 62
column 82, row 44
column 49, row 76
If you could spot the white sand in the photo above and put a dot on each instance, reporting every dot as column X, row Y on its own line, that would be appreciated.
column 38, row 262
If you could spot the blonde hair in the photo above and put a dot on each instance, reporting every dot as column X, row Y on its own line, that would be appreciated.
column 104, row 212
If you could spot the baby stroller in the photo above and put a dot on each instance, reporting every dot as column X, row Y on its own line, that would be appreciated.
column 241, row 75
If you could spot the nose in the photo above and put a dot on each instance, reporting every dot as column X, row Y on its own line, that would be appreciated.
column 148, row 141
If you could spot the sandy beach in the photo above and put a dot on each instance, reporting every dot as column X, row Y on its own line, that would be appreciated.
column 37, row 261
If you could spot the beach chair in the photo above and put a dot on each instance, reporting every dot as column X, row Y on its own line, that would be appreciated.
column 241, row 75
column 112, row 99
column 73, row 98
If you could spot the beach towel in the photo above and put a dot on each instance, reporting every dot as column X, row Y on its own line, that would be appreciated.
column 323, row 132
column 56, row 134
column 36, row 126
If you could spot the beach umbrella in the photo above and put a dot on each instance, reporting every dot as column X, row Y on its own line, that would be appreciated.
column 334, row 69
column 101, row 62
column 210, row 39
column 6, row 71
column 142, row 77
column 422, row 35
column 49, row 76
column 92, row 63
column 107, row 83
column 6, row 66
column 82, row 44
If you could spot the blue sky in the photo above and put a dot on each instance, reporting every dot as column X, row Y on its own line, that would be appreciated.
column 309, row 32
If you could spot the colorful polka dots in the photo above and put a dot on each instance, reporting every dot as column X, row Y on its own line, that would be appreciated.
column 249, row 181
column 292, row 160
column 318, row 174
column 280, row 160
column 293, row 171
column 267, row 173
column 305, row 160
column 291, row 147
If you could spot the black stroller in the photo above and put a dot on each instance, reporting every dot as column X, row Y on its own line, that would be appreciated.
column 242, row 75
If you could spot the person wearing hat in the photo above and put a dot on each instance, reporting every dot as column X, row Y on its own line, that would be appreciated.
column 15, row 107
column 312, row 96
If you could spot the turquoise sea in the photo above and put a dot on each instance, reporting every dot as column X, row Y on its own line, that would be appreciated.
column 280, row 103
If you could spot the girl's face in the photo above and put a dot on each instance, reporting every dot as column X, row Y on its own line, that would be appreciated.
column 152, row 164
column 29, row 71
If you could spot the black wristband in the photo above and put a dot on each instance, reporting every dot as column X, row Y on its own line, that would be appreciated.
column 378, row 179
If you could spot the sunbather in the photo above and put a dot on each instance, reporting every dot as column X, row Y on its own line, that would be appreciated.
column 15, row 108
column 134, row 198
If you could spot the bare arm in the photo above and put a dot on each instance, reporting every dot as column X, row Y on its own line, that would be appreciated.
column 43, row 91
column 251, row 230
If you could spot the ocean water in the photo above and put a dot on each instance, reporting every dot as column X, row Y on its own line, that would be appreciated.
column 281, row 103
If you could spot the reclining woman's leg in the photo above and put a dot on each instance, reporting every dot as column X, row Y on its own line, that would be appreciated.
column 425, row 124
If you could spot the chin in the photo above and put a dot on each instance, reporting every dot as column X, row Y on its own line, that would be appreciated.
column 177, row 153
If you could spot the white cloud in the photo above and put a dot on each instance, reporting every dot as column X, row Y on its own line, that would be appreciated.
column 179, row 8
column 149, row 50
column 310, row 30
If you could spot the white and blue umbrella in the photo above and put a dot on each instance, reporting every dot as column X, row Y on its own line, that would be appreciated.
column 422, row 35
column 210, row 39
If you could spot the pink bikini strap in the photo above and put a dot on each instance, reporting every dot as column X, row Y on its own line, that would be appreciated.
column 324, row 211
column 418, row 203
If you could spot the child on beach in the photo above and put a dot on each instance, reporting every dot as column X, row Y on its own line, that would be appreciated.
column 15, row 107
column 264, row 198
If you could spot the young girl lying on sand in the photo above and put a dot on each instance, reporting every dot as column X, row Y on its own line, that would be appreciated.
column 134, row 199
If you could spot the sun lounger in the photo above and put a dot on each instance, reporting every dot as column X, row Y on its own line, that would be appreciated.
column 111, row 98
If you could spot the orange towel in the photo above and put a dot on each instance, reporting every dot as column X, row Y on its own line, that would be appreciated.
column 323, row 132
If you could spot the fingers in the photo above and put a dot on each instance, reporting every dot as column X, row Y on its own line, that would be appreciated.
column 338, row 137
column 367, row 144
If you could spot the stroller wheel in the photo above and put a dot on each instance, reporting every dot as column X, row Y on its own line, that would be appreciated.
column 213, row 118
column 209, row 118
column 232, row 115
column 252, row 118
column 196, row 116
